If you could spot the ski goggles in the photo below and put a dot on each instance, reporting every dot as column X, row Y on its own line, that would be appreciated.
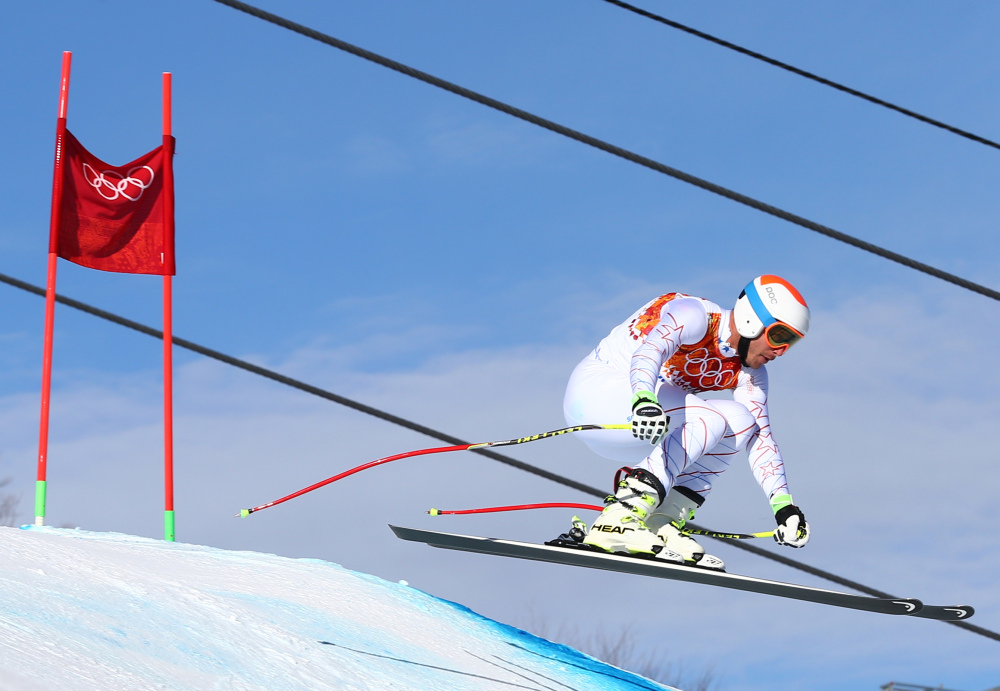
column 781, row 336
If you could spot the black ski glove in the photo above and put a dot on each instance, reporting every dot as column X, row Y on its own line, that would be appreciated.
column 792, row 528
column 648, row 419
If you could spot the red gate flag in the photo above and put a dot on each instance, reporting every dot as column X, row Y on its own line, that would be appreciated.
column 116, row 218
column 111, row 218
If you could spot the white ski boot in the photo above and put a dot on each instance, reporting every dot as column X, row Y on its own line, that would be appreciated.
column 621, row 526
column 668, row 523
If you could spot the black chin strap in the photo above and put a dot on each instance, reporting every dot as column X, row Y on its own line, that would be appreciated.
column 743, row 347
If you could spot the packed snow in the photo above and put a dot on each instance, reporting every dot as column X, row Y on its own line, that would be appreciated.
column 86, row 610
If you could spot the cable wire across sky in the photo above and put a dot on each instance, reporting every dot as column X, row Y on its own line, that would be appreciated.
column 434, row 434
column 803, row 73
column 614, row 150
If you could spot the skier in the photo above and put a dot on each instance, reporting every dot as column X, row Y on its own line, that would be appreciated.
column 672, row 348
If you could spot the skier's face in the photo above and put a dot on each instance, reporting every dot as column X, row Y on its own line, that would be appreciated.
column 761, row 352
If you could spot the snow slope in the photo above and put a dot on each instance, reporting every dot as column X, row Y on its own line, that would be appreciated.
column 85, row 610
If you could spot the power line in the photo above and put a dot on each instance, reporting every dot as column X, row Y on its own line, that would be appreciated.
column 802, row 73
column 612, row 149
column 381, row 414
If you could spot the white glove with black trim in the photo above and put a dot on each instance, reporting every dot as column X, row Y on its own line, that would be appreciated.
column 649, row 422
column 792, row 528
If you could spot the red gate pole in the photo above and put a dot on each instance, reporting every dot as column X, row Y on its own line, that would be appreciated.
column 168, row 337
column 50, row 293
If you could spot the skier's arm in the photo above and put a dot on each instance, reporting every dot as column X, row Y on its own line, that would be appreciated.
column 765, row 457
column 766, row 462
column 683, row 321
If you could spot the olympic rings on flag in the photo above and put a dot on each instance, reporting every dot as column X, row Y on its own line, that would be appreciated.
column 119, row 185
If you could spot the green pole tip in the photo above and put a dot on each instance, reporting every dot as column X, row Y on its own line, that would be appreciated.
column 434, row 512
column 40, row 491
column 244, row 513
column 168, row 526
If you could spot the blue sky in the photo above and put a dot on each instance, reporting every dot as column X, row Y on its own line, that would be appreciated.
column 368, row 233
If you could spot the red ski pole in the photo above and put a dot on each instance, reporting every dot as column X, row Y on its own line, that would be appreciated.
column 593, row 507
column 518, row 507
column 421, row 452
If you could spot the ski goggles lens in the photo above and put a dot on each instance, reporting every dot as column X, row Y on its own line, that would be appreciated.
column 781, row 335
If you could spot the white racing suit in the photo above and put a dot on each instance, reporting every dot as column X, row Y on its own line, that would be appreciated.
column 675, row 346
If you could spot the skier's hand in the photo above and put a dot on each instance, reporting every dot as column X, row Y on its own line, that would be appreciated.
column 792, row 528
column 648, row 419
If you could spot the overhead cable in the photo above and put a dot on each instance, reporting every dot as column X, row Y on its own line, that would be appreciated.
column 612, row 149
column 381, row 414
column 803, row 73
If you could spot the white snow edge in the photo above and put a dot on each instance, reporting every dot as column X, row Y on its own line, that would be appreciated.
column 86, row 610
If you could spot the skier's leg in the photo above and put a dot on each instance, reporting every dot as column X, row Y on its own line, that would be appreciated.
column 722, row 427
column 599, row 394
column 698, row 475
column 621, row 527
column 701, row 427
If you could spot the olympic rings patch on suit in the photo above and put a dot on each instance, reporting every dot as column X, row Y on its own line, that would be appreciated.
column 708, row 370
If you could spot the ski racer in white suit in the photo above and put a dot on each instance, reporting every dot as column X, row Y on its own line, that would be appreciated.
column 647, row 372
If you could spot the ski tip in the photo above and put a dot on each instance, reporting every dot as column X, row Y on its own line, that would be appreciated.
column 908, row 605
column 947, row 612
column 962, row 611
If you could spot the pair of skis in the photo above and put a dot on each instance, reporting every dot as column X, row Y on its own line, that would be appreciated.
column 677, row 572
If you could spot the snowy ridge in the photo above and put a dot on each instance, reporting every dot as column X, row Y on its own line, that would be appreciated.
column 84, row 610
